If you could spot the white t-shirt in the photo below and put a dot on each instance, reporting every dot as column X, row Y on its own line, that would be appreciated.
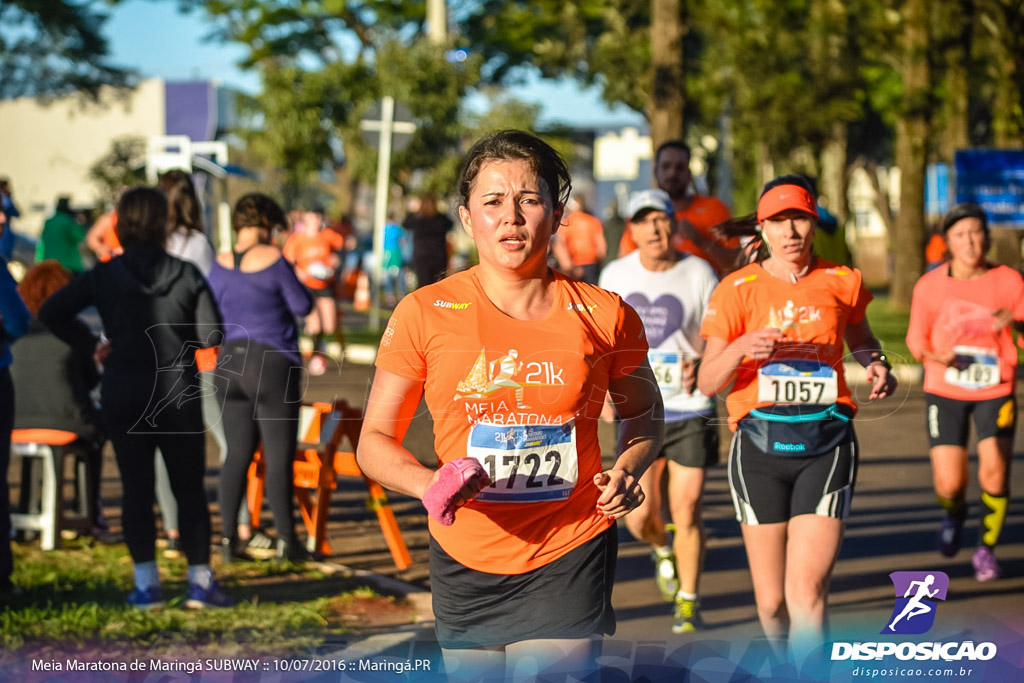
column 192, row 246
column 671, row 304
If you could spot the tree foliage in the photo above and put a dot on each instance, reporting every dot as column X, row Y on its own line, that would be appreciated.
column 122, row 166
column 324, row 64
column 50, row 48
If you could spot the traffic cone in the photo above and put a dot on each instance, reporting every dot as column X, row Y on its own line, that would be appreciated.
column 362, row 298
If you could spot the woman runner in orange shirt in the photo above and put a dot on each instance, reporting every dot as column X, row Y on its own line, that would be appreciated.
column 962, row 318
column 513, row 360
column 775, row 330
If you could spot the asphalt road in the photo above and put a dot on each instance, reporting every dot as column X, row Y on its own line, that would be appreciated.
column 892, row 528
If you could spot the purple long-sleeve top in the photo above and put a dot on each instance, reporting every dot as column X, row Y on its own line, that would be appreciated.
column 262, row 306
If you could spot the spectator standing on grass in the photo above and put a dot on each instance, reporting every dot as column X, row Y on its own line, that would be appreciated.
column 61, row 236
column 186, row 240
column 157, row 311
column 10, row 211
column 429, row 241
column 260, row 378
column 393, row 266
column 14, row 321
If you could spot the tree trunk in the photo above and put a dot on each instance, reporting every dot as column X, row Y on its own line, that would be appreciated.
column 1008, row 114
column 957, row 129
column 832, row 185
column 911, row 154
column 667, row 83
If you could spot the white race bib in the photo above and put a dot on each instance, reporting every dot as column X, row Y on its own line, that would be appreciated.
column 668, row 370
column 526, row 463
column 981, row 371
column 797, row 381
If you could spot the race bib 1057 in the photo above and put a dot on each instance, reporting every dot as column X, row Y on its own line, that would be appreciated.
column 797, row 381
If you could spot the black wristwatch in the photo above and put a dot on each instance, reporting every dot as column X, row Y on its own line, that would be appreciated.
column 879, row 357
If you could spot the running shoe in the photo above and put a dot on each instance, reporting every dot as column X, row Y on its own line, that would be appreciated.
column 207, row 598
column 950, row 534
column 173, row 548
column 665, row 574
column 260, row 546
column 231, row 551
column 147, row 599
column 317, row 365
column 687, row 616
column 985, row 566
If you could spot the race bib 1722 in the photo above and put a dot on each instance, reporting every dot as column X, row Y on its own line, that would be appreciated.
column 526, row 463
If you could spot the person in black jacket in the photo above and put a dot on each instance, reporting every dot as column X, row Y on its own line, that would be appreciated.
column 53, row 381
column 14, row 318
column 156, row 310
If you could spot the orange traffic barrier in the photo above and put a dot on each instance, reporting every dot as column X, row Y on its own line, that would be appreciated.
column 318, row 464
column 362, row 298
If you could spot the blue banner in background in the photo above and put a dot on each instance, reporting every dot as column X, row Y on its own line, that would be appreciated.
column 994, row 179
column 936, row 190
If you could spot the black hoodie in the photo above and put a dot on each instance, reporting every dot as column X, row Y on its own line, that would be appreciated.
column 156, row 310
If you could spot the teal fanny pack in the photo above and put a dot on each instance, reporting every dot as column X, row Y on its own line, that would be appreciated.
column 797, row 431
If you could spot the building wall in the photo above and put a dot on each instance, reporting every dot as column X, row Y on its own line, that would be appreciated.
column 49, row 148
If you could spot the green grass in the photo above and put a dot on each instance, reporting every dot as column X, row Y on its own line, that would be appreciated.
column 891, row 329
column 364, row 335
column 75, row 599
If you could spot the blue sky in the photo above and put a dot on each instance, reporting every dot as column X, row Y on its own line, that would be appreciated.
column 156, row 39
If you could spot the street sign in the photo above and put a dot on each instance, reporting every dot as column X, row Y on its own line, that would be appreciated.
column 993, row 179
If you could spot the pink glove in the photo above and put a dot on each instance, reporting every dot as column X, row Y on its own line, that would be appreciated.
column 440, row 497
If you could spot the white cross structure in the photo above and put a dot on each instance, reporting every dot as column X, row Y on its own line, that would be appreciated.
column 386, row 127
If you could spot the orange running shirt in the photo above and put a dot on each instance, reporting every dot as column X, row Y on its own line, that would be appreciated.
column 935, row 250
column 812, row 315
column 951, row 314
column 305, row 250
column 581, row 233
column 523, row 398
column 110, row 240
column 704, row 213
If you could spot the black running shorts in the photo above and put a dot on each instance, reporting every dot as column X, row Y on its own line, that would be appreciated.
column 948, row 419
column 692, row 442
column 767, row 489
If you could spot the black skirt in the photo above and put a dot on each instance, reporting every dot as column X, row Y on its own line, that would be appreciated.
column 570, row 597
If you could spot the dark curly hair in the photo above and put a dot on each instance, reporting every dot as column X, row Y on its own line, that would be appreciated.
column 256, row 210
column 40, row 282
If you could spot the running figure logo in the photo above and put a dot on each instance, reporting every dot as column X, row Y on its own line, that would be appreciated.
column 480, row 382
column 914, row 613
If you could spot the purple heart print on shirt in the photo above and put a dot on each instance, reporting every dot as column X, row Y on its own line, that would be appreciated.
column 661, row 319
